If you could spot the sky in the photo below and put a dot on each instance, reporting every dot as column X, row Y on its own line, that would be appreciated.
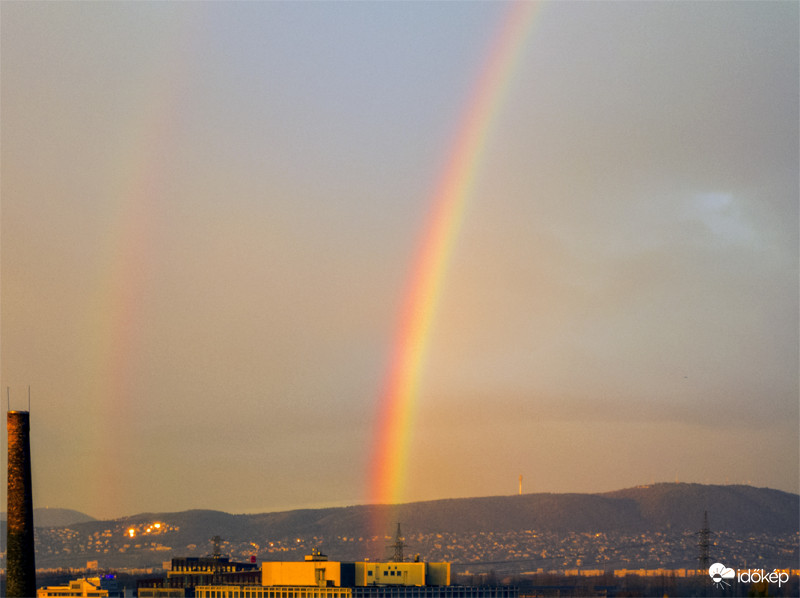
column 211, row 212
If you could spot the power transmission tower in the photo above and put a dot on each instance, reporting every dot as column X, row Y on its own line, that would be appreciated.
column 217, row 552
column 399, row 543
column 703, row 559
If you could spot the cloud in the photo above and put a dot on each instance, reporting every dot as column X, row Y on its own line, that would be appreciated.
column 720, row 214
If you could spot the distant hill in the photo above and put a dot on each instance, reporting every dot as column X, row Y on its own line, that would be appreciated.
column 735, row 513
column 739, row 509
column 735, row 508
column 47, row 517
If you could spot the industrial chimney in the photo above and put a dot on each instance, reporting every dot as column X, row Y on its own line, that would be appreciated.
column 20, row 558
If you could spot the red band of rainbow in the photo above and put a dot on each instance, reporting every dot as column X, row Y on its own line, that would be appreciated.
column 398, row 402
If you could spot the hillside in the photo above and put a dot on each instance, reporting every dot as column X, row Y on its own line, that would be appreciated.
column 47, row 517
column 736, row 508
column 465, row 530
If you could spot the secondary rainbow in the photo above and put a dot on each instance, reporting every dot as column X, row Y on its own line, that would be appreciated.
column 398, row 401
column 139, row 172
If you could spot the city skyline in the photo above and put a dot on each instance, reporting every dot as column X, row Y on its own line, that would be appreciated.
column 212, row 215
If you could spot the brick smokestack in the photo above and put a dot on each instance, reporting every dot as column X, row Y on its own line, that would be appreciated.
column 20, row 558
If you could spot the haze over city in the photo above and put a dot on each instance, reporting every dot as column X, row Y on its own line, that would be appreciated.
column 211, row 214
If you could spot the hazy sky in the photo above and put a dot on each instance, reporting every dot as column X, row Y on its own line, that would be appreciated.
column 210, row 213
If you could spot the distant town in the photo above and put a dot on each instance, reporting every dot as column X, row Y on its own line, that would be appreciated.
column 523, row 563
column 505, row 553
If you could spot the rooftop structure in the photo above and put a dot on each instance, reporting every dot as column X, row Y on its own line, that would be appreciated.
column 190, row 572
column 318, row 577
column 100, row 587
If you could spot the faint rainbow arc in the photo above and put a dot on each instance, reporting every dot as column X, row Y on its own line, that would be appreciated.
column 121, row 291
column 396, row 409
column 140, row 173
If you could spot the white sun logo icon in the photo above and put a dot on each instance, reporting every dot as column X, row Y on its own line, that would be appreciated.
column 719, row 573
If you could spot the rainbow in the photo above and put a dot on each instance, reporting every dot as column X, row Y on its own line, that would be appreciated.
column 114, row 316
column 397, row 404
column 119, row 298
